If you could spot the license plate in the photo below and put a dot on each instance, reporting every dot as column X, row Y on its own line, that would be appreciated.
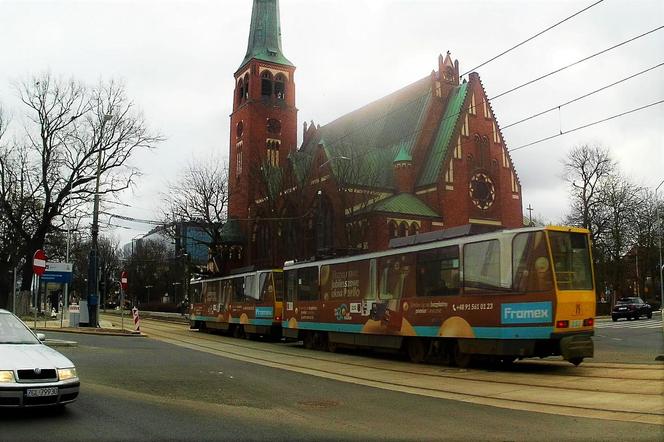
column 622, row 308
column 41, row 392
column 576, row 323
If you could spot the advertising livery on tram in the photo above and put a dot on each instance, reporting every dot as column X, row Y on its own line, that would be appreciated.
column 243, row 304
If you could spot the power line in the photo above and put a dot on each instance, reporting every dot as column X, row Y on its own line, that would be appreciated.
column 575, row 63
column 532, row 38
column 583, row 96
column 586, row 125
column 341, row 138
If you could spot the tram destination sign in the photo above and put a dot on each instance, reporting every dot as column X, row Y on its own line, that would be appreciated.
column 59, row 272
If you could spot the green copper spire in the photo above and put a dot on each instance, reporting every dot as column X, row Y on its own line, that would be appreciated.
column 265, row 34
column 403, row 155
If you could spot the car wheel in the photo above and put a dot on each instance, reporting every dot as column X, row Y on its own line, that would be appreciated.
column 614, row 318
column 649, row 315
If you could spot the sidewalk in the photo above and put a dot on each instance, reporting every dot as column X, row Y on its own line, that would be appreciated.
column 105, row 327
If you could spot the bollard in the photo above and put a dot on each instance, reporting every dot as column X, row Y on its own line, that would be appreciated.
column 137, row 319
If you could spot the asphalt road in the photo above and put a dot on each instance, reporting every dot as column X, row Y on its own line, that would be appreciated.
column 141, row 389
column 637, row 341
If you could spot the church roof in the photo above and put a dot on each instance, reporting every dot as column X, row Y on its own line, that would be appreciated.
column 403, row 204
column 265, row 34
column 374, row 134
column 441, row 143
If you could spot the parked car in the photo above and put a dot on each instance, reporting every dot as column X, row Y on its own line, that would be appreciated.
column 31, row 373
column 631, row 308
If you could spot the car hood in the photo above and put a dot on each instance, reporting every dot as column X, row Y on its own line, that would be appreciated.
column 28, row 356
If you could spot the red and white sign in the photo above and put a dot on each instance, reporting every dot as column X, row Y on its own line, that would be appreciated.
column 124, row 282
column 137, row 319
column 39, row 262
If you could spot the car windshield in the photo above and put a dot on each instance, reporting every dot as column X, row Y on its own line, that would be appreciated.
column 628, row 301
column 13, row 331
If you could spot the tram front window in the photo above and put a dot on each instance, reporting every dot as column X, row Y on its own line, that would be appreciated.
column 571, row 260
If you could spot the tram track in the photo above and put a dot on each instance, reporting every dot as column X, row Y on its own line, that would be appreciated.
column 617, row 392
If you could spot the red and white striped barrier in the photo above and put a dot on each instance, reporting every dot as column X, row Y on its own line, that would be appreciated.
column 137, row 319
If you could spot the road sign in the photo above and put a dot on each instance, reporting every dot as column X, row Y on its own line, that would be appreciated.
column 124, row 282
column 60, row 272
column 39, row 262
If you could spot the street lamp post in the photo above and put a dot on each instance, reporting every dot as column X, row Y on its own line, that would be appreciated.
column 659, row 246
column 148, row 287
column 93, row 277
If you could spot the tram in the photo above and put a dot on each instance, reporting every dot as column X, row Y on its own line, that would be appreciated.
column 244, row 304
column 503, row 295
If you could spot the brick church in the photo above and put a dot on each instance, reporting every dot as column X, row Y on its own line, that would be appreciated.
column 427, row 157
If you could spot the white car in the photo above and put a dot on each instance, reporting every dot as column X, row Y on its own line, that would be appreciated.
column 31, row 373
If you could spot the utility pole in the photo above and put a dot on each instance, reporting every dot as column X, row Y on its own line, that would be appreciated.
column 530, row 215
column 93, row 277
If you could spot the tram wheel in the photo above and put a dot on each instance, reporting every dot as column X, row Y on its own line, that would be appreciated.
column 238, row 332
column 416, row 351
column 576, row 361
column 461, row 359
column 332, row 347
column 308, row 340
column 320, row 341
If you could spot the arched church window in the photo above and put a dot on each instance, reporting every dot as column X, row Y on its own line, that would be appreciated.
column 239, row 129
column 240, row 91
column 392, row 229
column 403, row 229
column 246, row 86
column 280, row 87
column 414, row 229
column 266, row 84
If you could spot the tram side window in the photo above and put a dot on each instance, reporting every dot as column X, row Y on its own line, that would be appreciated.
column 278, row 281
column 481, row 267
column 238, row 289
column 226, row 291
column 397, row 276
column 307, row 284
column 530, row 263
column 438, row 272
column 291, row 285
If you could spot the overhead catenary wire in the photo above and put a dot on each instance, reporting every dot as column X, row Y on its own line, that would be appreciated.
column 575, row 63
column 582, row 96
column 586, row 125
column 502, row 94
column 532, row 37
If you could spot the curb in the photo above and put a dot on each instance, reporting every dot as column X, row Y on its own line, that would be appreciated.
column 93, row 331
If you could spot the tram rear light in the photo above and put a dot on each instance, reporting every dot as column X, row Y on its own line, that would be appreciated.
column 562, row 324
column 588, row 322
column 278, row 318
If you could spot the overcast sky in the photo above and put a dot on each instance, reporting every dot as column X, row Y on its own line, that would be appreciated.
column 177, row 59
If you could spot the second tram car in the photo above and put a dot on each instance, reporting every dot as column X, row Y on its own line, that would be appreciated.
column 503, row 295
column 248, row 303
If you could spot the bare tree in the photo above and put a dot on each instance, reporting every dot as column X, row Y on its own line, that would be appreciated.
column 587, row 168
column 72, row 134
column 199, row 197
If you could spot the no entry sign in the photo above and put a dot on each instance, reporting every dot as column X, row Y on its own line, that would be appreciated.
column 39, row 262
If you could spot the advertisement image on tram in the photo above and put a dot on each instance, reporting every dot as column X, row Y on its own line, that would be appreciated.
column 244, row 304
column 503, row 295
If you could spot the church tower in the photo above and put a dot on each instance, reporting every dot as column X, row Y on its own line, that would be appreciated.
column 264, row 119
